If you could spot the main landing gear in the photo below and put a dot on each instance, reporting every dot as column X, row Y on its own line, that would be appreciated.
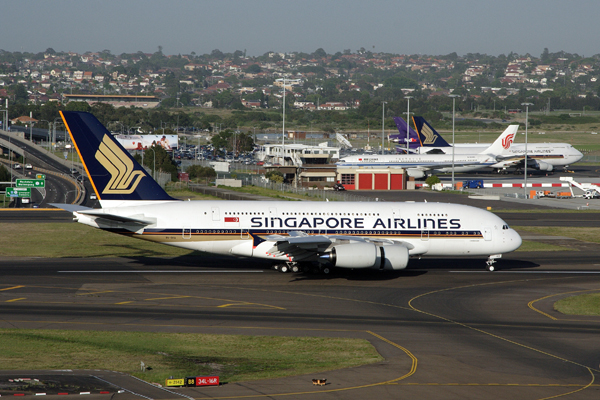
column 491, row 261
column 286, row 267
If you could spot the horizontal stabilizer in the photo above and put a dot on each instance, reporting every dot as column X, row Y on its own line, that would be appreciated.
column 97, row 213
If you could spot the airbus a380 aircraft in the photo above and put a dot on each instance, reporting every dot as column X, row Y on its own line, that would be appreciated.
column 346, row 235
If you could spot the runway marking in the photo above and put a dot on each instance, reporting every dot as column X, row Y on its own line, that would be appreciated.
column 13, row 300
column 124, row 302
column 524, row 272
column 11, row 288
column 591, row 370
column 160, row 272
column 413, row 367
column 89, row 293
column 168, row 298
column 496, row 384
column 530, row 304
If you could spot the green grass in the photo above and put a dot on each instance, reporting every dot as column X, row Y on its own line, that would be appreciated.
column 583, row 234
column 269, row 193
column 529, row 245
column 585, row 304
column 65, row 239
column 232, row 357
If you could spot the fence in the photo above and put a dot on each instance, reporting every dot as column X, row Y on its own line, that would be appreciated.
column 318, row 194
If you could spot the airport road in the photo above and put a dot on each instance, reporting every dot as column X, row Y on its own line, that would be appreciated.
column 447, row 328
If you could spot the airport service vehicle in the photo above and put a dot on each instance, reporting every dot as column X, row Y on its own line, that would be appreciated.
column 590, row 191
column 420, row 165
column 540, row 156
column 293, row 235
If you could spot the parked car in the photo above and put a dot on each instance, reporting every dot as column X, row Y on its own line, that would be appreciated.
column 339, row 187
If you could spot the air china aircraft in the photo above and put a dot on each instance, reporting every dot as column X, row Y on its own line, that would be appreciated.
column 540, row 156
column 292, row 234
column 419, row 165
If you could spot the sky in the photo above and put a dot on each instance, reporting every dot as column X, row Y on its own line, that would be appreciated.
column 431, row 27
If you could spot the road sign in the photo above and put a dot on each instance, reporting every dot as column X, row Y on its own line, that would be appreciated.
column 18, row 192
column 31, row 183
column 40, row 176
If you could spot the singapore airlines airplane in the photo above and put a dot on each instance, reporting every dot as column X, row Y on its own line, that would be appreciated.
column 540, row 156
column 292, row 234
column 418, row 165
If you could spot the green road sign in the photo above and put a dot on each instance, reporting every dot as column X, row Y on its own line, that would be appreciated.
column 31, row 183
column 18, row 192
column 40, row 176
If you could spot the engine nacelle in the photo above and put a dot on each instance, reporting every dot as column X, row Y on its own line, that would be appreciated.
column 544, row 166
column 368, row 255
column 415, row 173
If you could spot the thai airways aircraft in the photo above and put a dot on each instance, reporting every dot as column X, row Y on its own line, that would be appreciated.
column 292, row 234
column 419, row 165
column 540, row 156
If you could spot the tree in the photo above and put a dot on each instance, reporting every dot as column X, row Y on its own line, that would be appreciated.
column 198, row 171
column 78, row 106
column 21, row 95
column 274, row 176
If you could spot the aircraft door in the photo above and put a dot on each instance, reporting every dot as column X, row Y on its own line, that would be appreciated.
column 425, row 235
column 215, row 214
column 245, row 233
column 487, row 233
column 187, row 232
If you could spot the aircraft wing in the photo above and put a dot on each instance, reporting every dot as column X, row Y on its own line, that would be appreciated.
column 300, row 246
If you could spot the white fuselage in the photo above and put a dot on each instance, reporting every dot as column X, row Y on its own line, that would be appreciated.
column 556, row 154
column 231, row 227
column 440, row 162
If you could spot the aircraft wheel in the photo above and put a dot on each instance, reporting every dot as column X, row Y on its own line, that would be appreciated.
column 276, row 267
column 295, row 268
column 284, row 269
column 326, row 270
column 490, row 268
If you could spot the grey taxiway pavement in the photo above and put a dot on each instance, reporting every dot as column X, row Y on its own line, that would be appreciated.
column 447, row 328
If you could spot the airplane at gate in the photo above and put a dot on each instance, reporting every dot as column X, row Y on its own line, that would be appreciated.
column 351, row 235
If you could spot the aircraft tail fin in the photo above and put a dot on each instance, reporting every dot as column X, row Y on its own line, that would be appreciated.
column 504, row 141
column 113, row 172
column 427, row 135
column 413, row 138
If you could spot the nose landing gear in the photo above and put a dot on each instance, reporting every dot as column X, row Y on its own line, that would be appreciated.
column 491, row 261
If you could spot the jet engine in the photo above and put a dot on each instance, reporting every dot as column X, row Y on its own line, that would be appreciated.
column 415, row 173
column 368, row 255
column 543, row 166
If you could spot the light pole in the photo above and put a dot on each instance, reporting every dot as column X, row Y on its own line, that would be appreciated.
column 407, row 122
column 383, row 126
column 526, row 122
column 454, row 96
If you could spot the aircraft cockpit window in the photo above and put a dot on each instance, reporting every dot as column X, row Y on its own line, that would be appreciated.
column 504, row 227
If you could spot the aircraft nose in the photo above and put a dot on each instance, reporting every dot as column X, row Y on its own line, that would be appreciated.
column 515, row 239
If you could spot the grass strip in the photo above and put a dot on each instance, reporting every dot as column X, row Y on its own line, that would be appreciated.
column 584, row 304
column 69, row 239
column 529, row 245
column 232, row 357
column 591, row 234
